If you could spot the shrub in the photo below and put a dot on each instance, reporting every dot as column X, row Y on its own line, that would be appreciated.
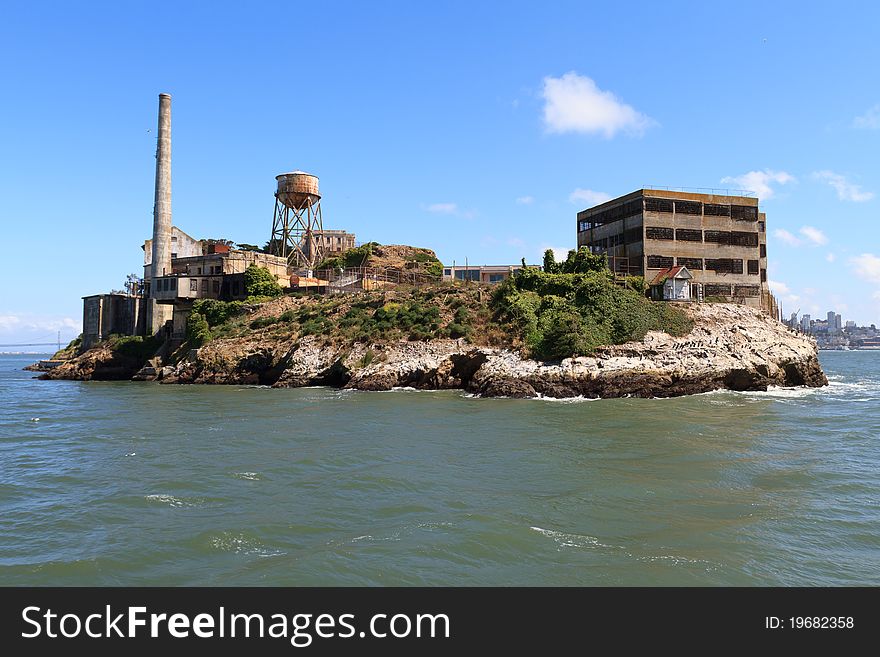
column 217, row 312
column 637, row 284
column 263, row 322
column 135, row 346
column 197, row 330
column 259, row 281
column 454, row 330
column 576, row 307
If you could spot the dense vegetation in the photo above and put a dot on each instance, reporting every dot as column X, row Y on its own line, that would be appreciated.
column 421, row 260
column 354, row 257
column 137, row 347
column 259, row 282
column 575, row 306
column 568, row 310
column 70, row 351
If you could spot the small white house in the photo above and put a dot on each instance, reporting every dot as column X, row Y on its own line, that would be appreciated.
column 672, row 284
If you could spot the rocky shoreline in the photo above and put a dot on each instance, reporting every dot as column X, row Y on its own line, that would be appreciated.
column 731, row 347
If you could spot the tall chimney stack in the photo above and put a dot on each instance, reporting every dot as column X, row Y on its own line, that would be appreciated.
column 162, row 200
column 161, row 252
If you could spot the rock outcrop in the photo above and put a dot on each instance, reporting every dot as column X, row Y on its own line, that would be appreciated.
column 732, row 347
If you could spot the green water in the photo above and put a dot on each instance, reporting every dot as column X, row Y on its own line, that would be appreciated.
column 144, row 484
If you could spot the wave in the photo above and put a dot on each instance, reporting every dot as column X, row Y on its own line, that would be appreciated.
column 172, row 501
column 564, row 540
column 239, row 543
column 250, row 476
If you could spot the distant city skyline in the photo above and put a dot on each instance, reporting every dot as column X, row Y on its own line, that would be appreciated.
column 476, row 130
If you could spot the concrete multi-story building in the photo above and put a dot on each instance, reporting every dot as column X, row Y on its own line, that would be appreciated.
column 721, row 239
column 334, row 242
column 217, row 274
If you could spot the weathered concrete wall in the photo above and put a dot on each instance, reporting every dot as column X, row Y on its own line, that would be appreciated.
column 106, row 314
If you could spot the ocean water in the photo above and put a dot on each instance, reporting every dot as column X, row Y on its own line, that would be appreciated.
column 108, row 483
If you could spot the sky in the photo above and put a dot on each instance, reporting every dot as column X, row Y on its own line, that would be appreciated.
column 476, row 129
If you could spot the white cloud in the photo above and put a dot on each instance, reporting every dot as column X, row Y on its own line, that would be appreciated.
column 870, row 120
column 830, row 257
column 442, row 208
column 9, row 322
column 846, row 191
column 525, row 200
column 588, row 196
column 867, row 266
column 809, row 235
column 559, row 252
column 782, row 291
column 814, row 235
column 786, row 237
column 573, row 103
column 450, row 209
column 779, row 287
column 760, row 181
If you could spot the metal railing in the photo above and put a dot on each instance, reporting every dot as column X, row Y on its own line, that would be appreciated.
column 362, row 279
column 704, row 190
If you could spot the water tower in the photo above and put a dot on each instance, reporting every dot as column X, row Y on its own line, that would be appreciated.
column 297, row 228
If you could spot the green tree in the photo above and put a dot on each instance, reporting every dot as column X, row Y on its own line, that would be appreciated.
column 197, row 330
column 259, row 282
column 550, row 265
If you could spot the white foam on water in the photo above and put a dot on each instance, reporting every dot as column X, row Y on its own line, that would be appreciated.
column 565, row 540
column 566, row 400
column 132, row 454
column 241, row 544
column 250, row 476
column 169, row 500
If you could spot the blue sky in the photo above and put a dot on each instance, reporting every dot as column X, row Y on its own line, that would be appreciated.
column 475, row 129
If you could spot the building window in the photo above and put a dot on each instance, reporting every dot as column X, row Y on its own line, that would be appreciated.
column 753, row 267
column 204, row 285
column 657, row 233
column 762, row 227
column 198, row 270
column 740, row 238
column 763, row 250
column 215, row 286
column 690, row 263
column 659, row 262
column 633, row 235
column 467, row 274
column 497, row 278
column 688, row 207
column 583, row 225
column 658, row 205
column 447, row 272
column 725, row 265
column 173, row 283
column 763, row 275
column 717, row 236
column 688, row 235
column 194, row 285
column 716, row 290
column 746, row 291
column 715, row 210
column 744, row 212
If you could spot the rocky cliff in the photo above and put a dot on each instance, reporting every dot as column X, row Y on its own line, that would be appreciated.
column 730, row 346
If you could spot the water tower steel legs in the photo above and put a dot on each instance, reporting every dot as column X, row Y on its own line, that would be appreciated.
column 297, row 233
